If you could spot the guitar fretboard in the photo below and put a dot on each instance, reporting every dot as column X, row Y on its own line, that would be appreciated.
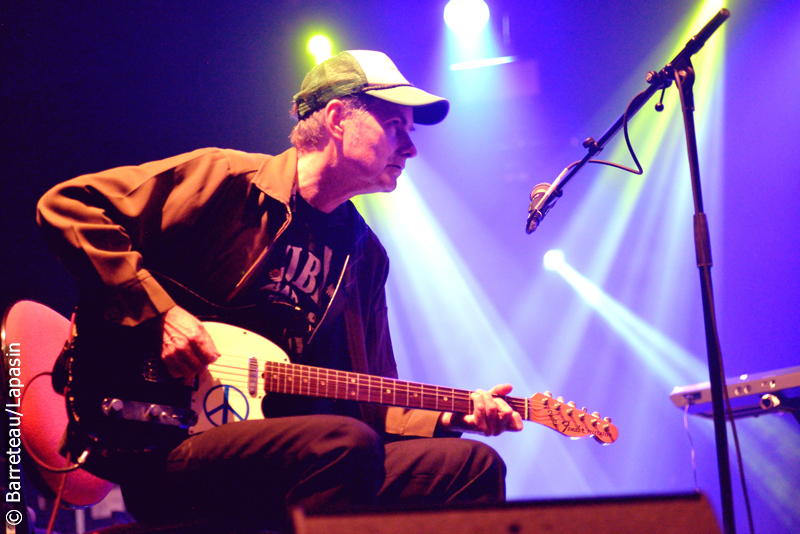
column 298, row 379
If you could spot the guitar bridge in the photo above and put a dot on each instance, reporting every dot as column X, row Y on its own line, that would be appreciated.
column 146, row 412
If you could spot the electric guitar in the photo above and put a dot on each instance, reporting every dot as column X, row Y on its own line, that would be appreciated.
column 137, row 406
column 121, row 401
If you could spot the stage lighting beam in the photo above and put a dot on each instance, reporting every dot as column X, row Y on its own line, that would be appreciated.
column 480, row 63
column 466, row 17
column 553, row 260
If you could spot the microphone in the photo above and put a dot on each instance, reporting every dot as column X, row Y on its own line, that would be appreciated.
column 543, row 197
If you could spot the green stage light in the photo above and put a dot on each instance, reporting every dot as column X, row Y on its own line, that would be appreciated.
column 320, row 47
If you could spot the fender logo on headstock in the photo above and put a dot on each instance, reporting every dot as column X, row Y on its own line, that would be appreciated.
column 567, row 419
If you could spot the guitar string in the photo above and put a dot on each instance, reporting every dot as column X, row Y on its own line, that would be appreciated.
column 343, row 378
column 305, row 383
column 300, row 371
column 310, row 376
column 543, row 419
column 340, row 377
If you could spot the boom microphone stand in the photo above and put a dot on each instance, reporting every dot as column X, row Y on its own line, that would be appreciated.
column 680, row 71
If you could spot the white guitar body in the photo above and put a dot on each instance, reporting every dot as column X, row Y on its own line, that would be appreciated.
column 232, row 388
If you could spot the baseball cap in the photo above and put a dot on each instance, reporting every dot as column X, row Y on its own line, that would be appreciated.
column 369, row 72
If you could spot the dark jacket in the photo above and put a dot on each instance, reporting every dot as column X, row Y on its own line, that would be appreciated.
column 207, row 219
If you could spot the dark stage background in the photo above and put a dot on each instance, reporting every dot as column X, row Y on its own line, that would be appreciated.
column 120, row 83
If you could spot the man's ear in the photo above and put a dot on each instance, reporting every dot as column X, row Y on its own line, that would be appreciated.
column 334, row 115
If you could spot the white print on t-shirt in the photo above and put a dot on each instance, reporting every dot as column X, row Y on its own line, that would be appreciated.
column 309, row 279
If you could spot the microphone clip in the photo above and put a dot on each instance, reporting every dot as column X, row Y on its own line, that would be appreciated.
column 543, row 197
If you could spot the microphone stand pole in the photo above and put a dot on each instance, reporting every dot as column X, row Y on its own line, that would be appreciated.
column 681, row 71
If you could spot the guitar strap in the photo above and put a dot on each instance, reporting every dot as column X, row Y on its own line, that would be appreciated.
column 60, row 376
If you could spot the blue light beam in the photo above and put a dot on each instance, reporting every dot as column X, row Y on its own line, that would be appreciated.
column 672, row 363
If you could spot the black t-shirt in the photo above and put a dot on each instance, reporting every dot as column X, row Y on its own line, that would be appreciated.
column 304, row 267
column 303, row 271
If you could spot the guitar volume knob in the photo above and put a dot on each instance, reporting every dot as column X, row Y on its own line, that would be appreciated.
column 113, row 407
column 155, row 411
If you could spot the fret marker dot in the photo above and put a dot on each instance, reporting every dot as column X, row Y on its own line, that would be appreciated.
column 352, row 380
column 445, row 398
column 322, row 382
column 416, row 395
column 388, row 391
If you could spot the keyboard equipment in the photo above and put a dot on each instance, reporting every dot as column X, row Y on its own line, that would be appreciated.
column 750, row 394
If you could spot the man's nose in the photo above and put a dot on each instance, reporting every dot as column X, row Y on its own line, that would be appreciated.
column 407, row 148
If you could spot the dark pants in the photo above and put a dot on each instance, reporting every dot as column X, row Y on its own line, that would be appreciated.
column 248, row 473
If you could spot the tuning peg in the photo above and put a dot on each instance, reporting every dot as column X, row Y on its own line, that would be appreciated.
column 571, row 403
column 548, row 394
column 583, row 409
column 582, row 416
column 560, row 399
column 596, row 414
column 607, row 426
column 557, row 406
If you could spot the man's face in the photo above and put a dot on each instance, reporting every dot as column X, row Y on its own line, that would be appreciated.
column 376, row 146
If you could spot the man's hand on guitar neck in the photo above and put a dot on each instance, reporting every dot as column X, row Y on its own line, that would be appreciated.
column 186, row 349
column 491, row 415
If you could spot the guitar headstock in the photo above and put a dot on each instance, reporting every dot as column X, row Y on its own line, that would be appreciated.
column 565, row 418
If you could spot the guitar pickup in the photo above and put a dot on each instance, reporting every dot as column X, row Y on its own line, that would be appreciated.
column 252, row 376
column 146, row 412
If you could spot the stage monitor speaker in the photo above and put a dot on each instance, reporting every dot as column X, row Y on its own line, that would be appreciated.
column 657, row 514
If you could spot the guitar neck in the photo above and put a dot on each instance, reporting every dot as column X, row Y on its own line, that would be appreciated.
column 295, row 379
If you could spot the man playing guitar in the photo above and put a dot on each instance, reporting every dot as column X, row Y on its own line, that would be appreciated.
column 254, row 232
